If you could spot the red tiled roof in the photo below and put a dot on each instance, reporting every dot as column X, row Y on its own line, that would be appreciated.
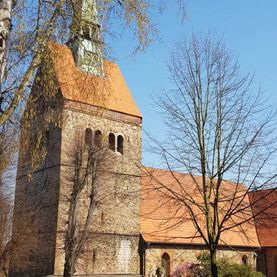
column 264, row 206
column 165, row 220
column 110, row 92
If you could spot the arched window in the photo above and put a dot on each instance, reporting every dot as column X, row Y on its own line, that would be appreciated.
column 120, row 144
column 47, row 137
column 166, row 264
column 93, row 255
column 97, row 138
column 112, row 141
column 244, row 260
column 88, row 136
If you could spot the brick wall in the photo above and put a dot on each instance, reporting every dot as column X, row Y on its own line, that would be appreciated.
column 271, row 261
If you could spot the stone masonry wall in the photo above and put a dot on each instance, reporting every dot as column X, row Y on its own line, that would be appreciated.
column 114, row 237
column 104, row 254
column 180, row 254
column 35, row 214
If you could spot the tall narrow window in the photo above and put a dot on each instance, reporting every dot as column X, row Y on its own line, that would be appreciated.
column 166, row 264
column 120, row 144
column 93, row 255
column 112, row 142
column 47, row 137
column 244, row 260
column 97, row 138
column 88, row 136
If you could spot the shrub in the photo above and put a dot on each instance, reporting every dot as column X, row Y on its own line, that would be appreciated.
column 225, row 268
column 188, row 269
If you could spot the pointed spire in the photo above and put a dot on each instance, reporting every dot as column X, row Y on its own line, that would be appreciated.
column 86, row 41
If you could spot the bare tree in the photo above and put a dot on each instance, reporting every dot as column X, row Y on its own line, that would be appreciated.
column 219, row 127
column 89, row 162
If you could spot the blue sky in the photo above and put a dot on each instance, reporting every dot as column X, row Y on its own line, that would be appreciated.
column 249, row 28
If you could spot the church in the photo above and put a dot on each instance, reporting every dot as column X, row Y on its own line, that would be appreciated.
column 131, row 233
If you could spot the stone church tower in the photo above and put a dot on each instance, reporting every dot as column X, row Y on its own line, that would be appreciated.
column 92, row 99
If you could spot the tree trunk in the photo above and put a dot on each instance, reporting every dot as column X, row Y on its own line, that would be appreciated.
column 5, row 27
column 70, row 240
column 69, row 268
column 214, row 271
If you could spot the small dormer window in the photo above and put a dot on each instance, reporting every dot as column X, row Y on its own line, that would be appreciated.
column 88, row 136
column 112, row 142
column 120, row 144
